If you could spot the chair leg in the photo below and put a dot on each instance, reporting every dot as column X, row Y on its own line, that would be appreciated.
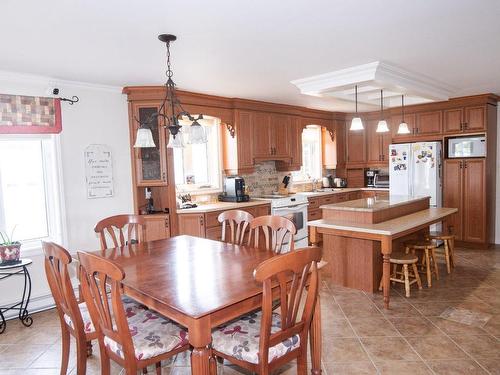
column 158, row 368
column 417, row 276
column 105, row 361
column 302, row 362
column 81, row 356
column 89, row 348
column 66, row 342
column 452, row 252
column 433, row 254
column 145, row 370
column 428, row 268
column 407, row 280
column 447, row 256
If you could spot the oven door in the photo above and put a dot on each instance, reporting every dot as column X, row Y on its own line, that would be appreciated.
column 298, row 215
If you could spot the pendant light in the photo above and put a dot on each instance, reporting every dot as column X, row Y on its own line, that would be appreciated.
column 403, row 127
column 144, row 138
column 382, row 124
column 356, row 123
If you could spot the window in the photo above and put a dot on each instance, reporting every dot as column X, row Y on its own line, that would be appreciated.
column 30, row 204
column 198, row 166
column 312, row 167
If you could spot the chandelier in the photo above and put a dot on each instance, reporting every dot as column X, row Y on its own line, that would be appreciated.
column 172, row 112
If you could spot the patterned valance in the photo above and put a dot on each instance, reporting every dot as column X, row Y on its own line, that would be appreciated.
column 29, row 115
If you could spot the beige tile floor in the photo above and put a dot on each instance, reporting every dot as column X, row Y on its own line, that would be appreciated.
column 359, row 336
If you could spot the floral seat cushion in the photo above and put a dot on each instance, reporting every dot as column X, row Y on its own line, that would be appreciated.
column 88, row 326
column 240, row 338
column 152, row 334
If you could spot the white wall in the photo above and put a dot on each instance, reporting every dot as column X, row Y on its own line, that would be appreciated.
column 100, row 117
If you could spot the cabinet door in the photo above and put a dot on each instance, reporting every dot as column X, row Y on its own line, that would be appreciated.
column 385, row 141
column 453, row 120
column 355, row 178
column 452, row 194
column 295, row 137
column 474, row 218
column 150, row 162
column 245, row 140
column 157, row 227
column 262, row 135
column 329, row 147
column 355, row 146
column 475, row 119
column 429, row 123
column 263, row 210
column 373, row 143
column 280, row 143
column 192, row 224
column 340, row 142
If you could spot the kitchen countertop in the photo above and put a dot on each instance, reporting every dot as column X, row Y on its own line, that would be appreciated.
column 372, row 204
column 338, row 191
column 222, row 206
column 390, row 227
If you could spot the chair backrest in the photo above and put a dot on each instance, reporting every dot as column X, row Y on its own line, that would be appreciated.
column 238, row 222
column 135, row 227
column 277, row 231
column 56, row 269
column 97, row 277
column 295, row 274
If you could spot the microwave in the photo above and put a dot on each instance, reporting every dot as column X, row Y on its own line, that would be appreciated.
column 467, row 147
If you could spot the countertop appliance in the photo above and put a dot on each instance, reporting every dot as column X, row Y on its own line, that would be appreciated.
column 327, row 181
column 415, row 169
column 339, row 182
column 293, row 207
column 370, row 177
column 467, row 147
column 381, row 180
column 234, row 190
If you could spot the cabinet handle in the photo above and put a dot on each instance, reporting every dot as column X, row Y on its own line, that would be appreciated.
column 461, row 126
column 164, row 176
column 465, row 164
column 201, row 221
column 167, row 223
column 466, row 125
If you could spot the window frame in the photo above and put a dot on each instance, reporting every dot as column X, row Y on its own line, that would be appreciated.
column 54, row 191
column 317, row 128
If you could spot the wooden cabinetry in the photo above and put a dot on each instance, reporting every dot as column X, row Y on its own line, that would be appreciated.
column 295, row 146
column 355, row 152
column 377, row 145
column 329, row 147
column 395, row 120
column 238, row 147
column 465, row 119
column 428, row 123
column 340, row 143
column 206, row 225
column 271, row 132
column 157, row 227
column 465, row 188
column 355, row 178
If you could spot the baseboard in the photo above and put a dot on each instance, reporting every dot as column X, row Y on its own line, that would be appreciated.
column 36, row 304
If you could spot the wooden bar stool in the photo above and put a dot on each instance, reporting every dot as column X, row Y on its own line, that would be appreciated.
column 403, row 276
column 449, row 247
column 428, row 262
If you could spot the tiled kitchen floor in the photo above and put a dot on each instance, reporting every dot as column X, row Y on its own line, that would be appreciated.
column 359, row 336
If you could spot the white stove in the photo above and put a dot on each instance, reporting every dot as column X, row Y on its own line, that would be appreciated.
column 293, row 207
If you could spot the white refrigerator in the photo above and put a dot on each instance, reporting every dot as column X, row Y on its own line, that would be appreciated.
column 415, row 170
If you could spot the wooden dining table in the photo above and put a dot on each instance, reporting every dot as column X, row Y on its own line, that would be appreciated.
column 200, row 284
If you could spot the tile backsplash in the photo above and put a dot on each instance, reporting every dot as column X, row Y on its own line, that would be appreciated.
column 264, row 180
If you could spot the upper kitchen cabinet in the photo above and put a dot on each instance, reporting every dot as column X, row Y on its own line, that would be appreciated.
column 377, row 145
column 395, row 120
column 295, row 146
column 356, row 150
column 465, row 119
column 340, row 142
column 238, row 141
column 428, row 123
column 149, row 164
column 329, row 147
column 271, row 131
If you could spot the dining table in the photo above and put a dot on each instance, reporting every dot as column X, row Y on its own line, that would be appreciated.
column 200, row 284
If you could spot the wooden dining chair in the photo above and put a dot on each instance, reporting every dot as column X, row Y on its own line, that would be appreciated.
column 73, row 316
column 277, row 230
column 265, row 340
column 237, row 221
column 135, row 226
column 134, row 339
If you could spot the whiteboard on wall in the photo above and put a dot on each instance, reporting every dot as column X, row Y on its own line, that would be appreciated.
column 98, row 171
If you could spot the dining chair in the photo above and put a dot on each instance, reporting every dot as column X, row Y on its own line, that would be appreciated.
column 134, row 339
column 277, row 231
column 265, row 339
column 73, row 316
column 135, row 228
column 237, row 221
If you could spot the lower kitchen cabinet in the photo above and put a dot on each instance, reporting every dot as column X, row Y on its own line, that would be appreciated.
column 157, row 227
column 206, row 224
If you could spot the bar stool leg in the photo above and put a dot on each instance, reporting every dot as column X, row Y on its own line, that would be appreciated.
column 417, row 276
column 447, row 256
column 428, row 268
column 435, row 263
column 407, row 280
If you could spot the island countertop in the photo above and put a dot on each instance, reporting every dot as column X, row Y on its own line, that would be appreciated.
column 373, row 204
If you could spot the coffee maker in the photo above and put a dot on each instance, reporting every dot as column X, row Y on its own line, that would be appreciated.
column 234, row 190
column 370, row 177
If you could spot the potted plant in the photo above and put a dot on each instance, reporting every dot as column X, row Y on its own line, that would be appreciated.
column 10, row 250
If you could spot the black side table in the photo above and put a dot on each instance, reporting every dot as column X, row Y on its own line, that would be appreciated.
column 20, row 269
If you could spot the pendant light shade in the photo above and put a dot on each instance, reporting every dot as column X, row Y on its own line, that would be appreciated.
column 175, row 141
column 382, row 126
column 356, row 123
column 144, row 138
column 197, row 134
column 403, row 127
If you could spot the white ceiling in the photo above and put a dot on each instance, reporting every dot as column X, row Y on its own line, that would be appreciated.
column 252, row 49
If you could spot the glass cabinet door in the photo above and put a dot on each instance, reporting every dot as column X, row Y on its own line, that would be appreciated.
column 151, row 166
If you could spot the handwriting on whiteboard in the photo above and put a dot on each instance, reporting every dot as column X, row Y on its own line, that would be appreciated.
column 98, row 171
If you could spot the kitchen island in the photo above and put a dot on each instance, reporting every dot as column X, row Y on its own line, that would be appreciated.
column 358, row 237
